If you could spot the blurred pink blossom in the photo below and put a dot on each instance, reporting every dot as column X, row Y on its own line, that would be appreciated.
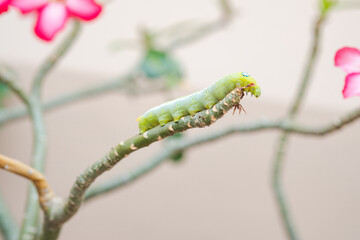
column 4, row 5
column 53, row 14
column 348, row 59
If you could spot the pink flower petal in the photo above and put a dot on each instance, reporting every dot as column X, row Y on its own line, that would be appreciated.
column 84, row 9
column 26, row 6
column 352, row 85
column 4, row 5
column 348, row 59
column 51, row 19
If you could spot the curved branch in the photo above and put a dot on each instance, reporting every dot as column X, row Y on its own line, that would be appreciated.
column 278, row 161
column 123, row 179
column 200, row 119
column 7, row 77
column 8, row 226
column 36, row 113
column 126, row 178
column 8, row 115
column 227, row 13
column 54, row 58
column 44, row 191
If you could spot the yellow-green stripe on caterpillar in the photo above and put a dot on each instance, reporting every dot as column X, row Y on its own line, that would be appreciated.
column 196, row 102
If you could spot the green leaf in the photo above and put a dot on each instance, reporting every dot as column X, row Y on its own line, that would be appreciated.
column 159, row 64
column 326, row 5
column 4, row 90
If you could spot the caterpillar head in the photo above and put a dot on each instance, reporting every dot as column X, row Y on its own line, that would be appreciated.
column 248, row 84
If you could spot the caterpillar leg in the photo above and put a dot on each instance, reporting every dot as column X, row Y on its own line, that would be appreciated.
column 240, row 107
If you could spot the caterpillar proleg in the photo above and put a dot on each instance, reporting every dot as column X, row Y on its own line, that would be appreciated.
column 193, row 103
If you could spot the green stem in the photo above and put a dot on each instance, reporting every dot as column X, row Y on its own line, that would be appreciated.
column 278, row 163
column 283, row 125
column 207, row 28
column 39, row 150
column 123, row 179
column 54, row 58
column 8, row 226
column 277, row 187
column 8, row 78
column 8, row 115
column 309, row 68
column 31, row 219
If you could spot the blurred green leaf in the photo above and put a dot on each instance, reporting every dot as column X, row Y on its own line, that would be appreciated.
column 180, row 155
column 4, row 90
column 326, row 5
column 159, row 64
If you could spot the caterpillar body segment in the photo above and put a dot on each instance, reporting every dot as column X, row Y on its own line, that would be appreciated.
column 191, row 104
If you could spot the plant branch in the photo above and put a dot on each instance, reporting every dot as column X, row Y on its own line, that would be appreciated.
column 8, row 78
column 44, row 191
column 309, row 68
column 123, row 179
column 283, row 125
column 201, row 31
column 31, row 219
column 8, row 115
column 200, row 119
column 8, row 226
column 278, row 162
column 54, row 58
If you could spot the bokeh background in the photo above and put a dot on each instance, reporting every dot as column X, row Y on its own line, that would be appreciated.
column 220, row 190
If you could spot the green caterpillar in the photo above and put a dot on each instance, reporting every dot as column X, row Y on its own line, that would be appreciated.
column 196, row 102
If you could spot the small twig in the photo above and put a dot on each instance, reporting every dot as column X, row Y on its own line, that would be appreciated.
column 8, row 78
column 227, row 9
column 8, row 226
column 181, row 33
column 197, row 33
column 123, row 179
column 54, row 58
column 114, row 84
column 44, row 191
column 309, row 68
column 126, row 178
column 278, row 161
column 205, row 29
column 201, row 119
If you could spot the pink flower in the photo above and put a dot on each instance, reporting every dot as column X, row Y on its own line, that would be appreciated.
column 348, row 59
column 53, row 14
column 4, row 5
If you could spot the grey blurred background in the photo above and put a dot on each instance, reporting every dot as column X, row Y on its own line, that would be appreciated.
column 221, row 190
